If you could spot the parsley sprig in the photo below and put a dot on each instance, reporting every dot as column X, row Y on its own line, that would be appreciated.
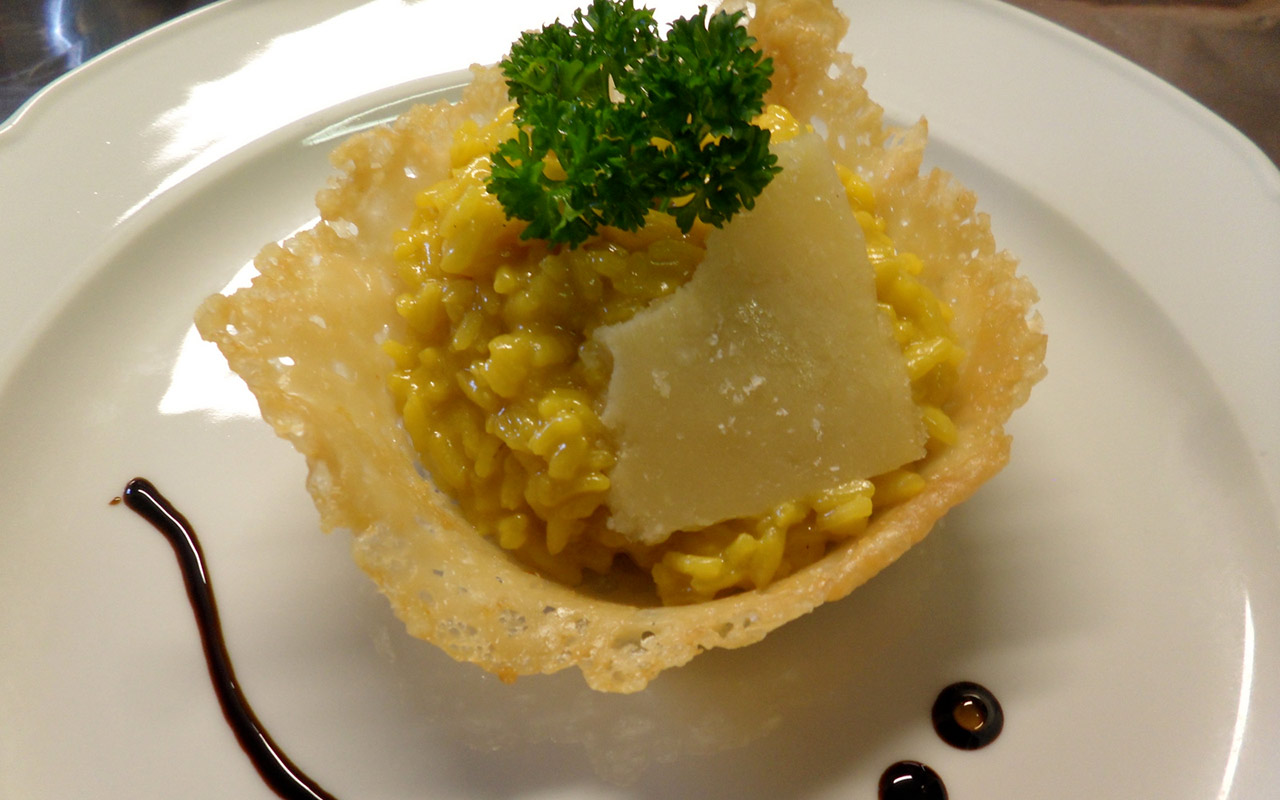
column 634, row 122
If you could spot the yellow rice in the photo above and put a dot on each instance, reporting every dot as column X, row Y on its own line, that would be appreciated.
column 500, row 382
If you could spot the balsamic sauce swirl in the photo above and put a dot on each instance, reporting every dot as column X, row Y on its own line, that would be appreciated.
column 277, row 771
column 966, row 715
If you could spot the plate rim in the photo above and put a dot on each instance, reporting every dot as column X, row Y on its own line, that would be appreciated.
column 26, row 118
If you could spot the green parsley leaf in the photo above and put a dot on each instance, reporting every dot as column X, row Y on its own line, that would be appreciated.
column 634, row 121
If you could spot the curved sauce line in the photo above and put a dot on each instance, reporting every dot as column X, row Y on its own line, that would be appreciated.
column 277, row 771
column 977, row 727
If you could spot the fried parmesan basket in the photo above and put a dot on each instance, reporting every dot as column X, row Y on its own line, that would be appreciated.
column 306, row 338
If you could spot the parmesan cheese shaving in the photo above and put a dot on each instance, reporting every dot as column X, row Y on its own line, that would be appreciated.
column 771, row 375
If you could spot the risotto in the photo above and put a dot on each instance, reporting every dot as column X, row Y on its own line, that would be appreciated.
column 444, row 380
column 501, row 381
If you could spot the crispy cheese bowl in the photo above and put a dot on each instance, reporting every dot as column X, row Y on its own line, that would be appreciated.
column 318, row 339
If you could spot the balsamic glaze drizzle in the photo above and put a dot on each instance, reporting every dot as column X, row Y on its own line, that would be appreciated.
column 277, row 771
column 965, row 715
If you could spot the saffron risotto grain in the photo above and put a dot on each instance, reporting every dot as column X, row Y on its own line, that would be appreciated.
column 501, row 383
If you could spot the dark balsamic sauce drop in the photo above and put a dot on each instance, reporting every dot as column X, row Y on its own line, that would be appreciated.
column 279, row 773
column 911, row 780
column 967, row 715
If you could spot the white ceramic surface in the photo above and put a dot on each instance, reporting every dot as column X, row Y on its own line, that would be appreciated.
column 1118, row 586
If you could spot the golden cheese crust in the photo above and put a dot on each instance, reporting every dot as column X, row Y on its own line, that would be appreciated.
column 325, row 300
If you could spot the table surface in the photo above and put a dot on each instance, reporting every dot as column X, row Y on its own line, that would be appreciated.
column 1223, row 53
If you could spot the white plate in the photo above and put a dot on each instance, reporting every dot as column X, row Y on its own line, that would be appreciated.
column 1117, row 586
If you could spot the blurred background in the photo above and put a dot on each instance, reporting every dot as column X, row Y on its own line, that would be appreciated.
column 42, row 39
column 1224, row 53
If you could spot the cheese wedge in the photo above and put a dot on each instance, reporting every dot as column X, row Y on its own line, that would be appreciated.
column 772, row 375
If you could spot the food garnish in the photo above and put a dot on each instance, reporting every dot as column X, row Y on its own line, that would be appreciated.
column 614, row 121
column 449, row 375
